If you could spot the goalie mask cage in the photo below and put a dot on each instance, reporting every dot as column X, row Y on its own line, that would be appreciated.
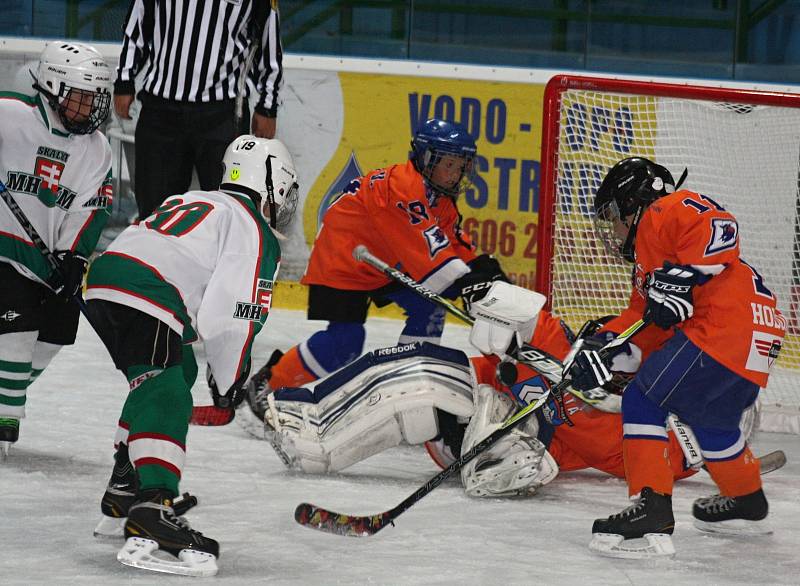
column 741, row 148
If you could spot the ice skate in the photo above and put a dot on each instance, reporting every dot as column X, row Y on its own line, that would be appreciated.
column 121, row 494
column 741, row 515
column 158, row 540
column 640, row 531
column 9, row 433
column 250, row 414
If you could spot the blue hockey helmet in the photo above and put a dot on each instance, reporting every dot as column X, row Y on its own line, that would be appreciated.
column 435, row 139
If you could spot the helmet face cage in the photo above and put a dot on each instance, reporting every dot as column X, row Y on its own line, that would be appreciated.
column 431, row 160
column 82, row 111
column 436, row 139
column 287, row 208
column 626, row 192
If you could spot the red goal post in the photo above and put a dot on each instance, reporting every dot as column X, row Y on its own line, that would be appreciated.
column 741, row 147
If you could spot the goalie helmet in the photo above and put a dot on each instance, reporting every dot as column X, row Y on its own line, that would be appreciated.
column 625, row 193
column 437, row 139
column 76, row 82
column 262, row 169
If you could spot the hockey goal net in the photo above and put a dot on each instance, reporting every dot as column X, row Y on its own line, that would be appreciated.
column 741, row 147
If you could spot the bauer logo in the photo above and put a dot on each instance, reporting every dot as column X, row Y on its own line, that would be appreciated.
column 248, row 311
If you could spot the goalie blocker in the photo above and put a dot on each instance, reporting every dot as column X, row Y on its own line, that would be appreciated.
column 406, row 394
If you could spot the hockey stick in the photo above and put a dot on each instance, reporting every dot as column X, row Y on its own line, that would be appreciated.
column 322, row 519
column 546, row 364
column 28, row 228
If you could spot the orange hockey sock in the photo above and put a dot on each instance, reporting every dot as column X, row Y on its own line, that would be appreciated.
column 736, row 477
column 647, row 464
column 289, row 371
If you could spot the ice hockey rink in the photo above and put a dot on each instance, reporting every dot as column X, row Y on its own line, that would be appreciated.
column 51, row 484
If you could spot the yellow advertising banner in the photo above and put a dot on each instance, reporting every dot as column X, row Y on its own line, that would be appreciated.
column 500, row 209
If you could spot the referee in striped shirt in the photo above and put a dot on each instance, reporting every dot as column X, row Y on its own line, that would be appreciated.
column 196, row 58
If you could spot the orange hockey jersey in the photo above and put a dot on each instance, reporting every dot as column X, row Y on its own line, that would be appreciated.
column 388, row 211
column 736, row 320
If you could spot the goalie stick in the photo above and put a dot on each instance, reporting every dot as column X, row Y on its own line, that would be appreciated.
column 322, row 519
column 546, row 364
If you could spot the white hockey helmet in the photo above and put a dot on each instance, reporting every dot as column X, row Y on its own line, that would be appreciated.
column 76, row 81
column 263, row 169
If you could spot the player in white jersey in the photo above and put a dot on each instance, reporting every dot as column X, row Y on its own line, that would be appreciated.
column 55, row 169
column 201, row 267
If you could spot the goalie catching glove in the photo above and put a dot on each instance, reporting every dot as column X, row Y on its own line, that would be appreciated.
column 235, row 395
column 505, row 317
column 669, row 295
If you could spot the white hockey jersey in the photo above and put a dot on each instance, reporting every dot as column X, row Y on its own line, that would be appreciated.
column 204, row 264
column 61, row 182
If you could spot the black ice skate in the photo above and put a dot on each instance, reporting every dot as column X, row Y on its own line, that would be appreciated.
column 9, row 433
column 650, row 517
column 251, row 412
column 741, row 515
column 121, row 494
column 153, row 526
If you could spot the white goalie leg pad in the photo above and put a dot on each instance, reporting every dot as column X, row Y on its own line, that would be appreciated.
column 144, row 553
column 652, row 545
column 379, row 408
column 517, row 464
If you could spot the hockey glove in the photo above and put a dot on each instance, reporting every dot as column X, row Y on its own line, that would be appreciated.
column 585, row 368
column 484, row 271
column 235, row 394
column 669, row 295
column 67, row 280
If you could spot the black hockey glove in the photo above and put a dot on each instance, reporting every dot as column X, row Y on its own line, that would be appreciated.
column 669, row 295
column 484, row 270
column 235, row 394
column 586, row 369
column 67, row 281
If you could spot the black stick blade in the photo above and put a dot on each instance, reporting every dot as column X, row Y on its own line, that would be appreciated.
column 314, row 517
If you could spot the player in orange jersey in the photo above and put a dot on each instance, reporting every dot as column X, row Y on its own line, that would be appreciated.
column 720, row 331
column 405, row 214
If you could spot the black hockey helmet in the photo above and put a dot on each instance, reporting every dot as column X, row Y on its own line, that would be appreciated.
column 627, row 189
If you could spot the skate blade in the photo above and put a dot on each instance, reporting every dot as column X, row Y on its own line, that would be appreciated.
column 249, row 422
column 734, row 527
column 110, row 528
column 140, row 553
column 653, row 545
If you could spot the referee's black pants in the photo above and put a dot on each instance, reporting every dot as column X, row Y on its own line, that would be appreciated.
column 174, row 137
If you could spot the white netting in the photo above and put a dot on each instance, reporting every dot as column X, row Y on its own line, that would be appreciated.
column 746, row 157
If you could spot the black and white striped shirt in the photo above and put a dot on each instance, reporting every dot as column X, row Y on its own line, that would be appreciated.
column 196, row 50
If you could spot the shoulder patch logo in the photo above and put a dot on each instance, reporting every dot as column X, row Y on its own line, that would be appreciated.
column 436, row 239
column 724, row 236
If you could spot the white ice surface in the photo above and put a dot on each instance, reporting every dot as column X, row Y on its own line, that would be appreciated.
column 50, row 488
